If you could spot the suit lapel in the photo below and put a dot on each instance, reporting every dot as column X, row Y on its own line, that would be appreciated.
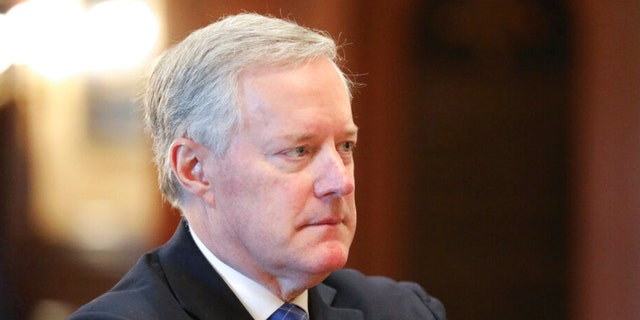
column 196, row 285
column 320, row 305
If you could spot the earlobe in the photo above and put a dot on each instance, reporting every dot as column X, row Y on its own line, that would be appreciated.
column 187, row 159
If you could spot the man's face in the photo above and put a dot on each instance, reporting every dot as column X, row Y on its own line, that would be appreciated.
column 284, row 192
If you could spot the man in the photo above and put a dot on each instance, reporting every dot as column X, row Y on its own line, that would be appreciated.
column 253, row 136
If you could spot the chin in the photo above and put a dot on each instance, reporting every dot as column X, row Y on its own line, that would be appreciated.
column 328, row 257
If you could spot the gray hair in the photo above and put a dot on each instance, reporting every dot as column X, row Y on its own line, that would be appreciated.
column 193, row 89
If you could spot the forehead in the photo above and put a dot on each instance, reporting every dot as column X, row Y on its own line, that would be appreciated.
column 310, row 91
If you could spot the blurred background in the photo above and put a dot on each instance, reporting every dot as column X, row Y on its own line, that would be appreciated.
column 498, row 163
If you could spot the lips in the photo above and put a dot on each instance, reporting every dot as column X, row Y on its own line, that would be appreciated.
column 329, row 221
column 326, row 221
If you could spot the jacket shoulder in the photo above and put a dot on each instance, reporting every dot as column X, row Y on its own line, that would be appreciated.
column 143, row 293
column 383, row 298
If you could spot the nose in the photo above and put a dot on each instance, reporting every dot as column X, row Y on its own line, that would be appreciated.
column 334, row 177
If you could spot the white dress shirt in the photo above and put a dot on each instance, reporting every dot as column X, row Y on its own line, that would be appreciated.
column 259, row 301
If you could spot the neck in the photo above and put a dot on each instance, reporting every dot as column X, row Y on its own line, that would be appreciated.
column 287, row 286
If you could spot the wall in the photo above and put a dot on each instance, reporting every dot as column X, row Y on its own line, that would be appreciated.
column 498, row 162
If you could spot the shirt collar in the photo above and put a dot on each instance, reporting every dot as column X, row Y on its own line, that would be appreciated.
column 259, row 301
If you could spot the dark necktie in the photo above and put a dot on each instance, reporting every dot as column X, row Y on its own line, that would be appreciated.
column 289, row 311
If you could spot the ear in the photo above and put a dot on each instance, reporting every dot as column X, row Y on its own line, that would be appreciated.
column 187, row 158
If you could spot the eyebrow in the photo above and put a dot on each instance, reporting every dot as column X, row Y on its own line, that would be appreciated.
column 350, row 131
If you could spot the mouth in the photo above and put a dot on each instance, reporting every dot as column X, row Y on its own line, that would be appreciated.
column 328, row 221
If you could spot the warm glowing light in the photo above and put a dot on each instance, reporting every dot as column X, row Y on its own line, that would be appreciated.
column 58, row 38
column 6, row 58
column 45, row 36
column 121, row 33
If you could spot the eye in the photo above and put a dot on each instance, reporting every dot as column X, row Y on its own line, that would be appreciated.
column 347, row 146
column 297, row 152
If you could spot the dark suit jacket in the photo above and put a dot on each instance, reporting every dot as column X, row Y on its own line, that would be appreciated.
column 176, row 282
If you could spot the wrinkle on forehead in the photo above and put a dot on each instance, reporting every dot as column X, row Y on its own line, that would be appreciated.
column 259, row 85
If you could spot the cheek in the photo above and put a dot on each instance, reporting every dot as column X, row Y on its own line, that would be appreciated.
column 251, row 188
column 234, row 189
column 239, row 179
column 257, row 190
